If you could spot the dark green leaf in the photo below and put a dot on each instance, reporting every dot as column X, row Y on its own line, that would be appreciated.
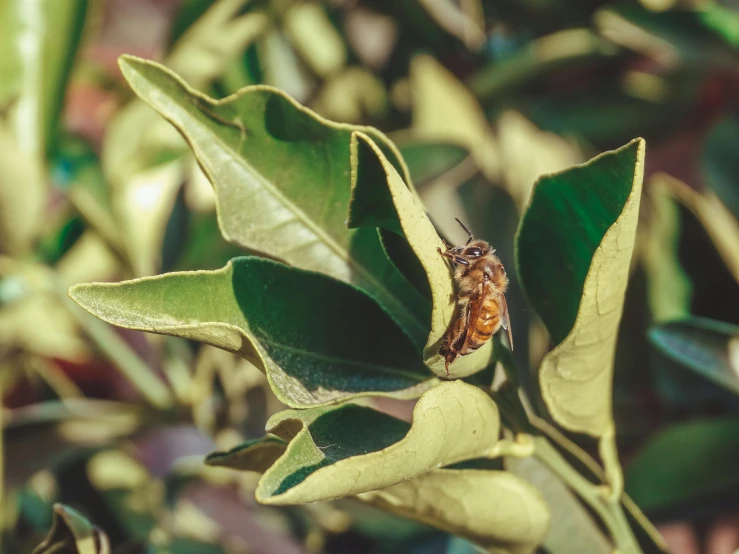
column 720, row 163
column 687, row 465
column 708, row 347
column 71, row 533
column 318, row 339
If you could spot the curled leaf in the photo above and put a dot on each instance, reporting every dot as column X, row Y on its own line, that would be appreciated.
column 72, row 533
column 574, row 247
column 342, row 451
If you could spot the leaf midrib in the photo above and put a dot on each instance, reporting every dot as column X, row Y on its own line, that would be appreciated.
column 302, row 216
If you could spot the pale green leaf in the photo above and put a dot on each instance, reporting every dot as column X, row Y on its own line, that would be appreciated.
column 282, row 179
column 574, row 247
column 496, row 509
column 572, row 528
column 38, row 42
column 445, row 110
column 668, row 287
column 350, row 449
column 292, row 323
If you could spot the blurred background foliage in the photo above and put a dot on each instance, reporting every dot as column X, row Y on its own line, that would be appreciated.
column 482, row 97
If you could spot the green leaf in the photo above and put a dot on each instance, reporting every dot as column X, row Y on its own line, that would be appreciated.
column 282, row 178
column 669, row 288
column 430, row 159
column 457, row 501
column 495, row 509
column 346, row 450
column 380, row 198
column 72, row 533
column 256, row 455
column 318, row 340
column 574, row 247
column 687, row 465
column 38, row 42
column 720, row 224
column 572, row 528
column 720, row 166
column 708, row 347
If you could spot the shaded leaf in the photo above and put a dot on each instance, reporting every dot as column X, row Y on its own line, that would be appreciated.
column 429, row 159
column 720, row 166
column 38, row 435
column 291, row 322
column 702, row 466
column 574, row 246
column 282, row 178
column 72, row 533
column 395, row 208
column 337, row 452
column 495, row 509
column 257, row 455
column 722, row 227
column 708, row 347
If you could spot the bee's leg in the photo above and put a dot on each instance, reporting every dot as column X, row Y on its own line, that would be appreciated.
column 456, row 336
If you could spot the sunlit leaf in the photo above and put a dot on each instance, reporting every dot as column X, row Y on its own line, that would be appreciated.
column 669, row 289
column 22, row 195
column 292, row 323
column 689, row 464
column 314, row 36
column 708, row 347
column 572, row 528
column 574, row 248
column 72, row 533
column 38, row 42
column 445, row 110
column 282, row 178
column 495, row 509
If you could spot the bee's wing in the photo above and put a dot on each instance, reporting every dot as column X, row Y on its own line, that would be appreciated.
column 504, row 321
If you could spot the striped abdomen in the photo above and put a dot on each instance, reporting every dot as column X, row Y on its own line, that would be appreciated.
column 483, row 324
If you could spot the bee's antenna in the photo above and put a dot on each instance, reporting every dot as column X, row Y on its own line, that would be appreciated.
column 466, row 230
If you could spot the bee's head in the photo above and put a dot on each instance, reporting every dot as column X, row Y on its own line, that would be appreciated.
column 472, row 251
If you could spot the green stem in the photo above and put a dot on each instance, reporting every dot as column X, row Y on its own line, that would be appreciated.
column 600, row 499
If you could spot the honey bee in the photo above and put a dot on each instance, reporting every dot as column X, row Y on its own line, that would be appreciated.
column 481, row 283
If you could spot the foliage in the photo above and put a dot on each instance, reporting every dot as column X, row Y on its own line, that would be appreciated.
column 267, row 207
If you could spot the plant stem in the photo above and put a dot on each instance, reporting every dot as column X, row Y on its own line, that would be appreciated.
column 599, row 498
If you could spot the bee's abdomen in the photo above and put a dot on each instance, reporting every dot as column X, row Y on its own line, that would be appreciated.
column 485, row 326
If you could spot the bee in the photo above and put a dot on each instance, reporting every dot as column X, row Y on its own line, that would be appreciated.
column 481, row 283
